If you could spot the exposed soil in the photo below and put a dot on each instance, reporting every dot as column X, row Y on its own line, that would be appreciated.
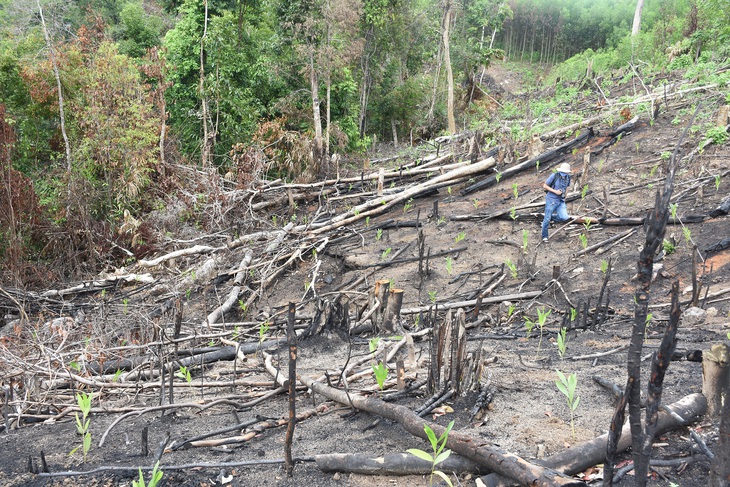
column 528, row 416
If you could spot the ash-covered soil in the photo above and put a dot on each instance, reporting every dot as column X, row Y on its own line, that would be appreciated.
column 528, row 416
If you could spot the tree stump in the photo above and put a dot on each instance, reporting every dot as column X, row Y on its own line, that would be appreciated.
column 716, row 378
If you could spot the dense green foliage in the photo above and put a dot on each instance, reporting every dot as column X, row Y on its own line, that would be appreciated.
column 130, row 72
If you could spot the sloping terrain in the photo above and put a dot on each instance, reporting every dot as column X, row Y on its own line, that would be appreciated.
column 226, row 265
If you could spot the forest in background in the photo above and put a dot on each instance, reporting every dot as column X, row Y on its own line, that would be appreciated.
column 104, row 102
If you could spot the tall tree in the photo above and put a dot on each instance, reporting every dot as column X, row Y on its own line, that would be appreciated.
column 637, row 17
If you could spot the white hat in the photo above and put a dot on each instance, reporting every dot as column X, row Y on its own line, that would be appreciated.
column 564, row 167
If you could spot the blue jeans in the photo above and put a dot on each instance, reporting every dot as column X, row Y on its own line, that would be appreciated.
column 554, row 207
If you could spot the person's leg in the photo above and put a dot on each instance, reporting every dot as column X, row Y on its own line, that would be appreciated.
column 562, row 213
column 549, row 209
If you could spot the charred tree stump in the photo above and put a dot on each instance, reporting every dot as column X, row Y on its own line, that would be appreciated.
column 381, row 295
column 291, row 337
column 716, row 378
column 392, row 310
column 720, row 468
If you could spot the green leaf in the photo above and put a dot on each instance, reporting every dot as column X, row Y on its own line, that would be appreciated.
column 420, row 454
column 561, row 388
column 443, row 456
column 575, row 403
column 431, row 437
column 444, row 476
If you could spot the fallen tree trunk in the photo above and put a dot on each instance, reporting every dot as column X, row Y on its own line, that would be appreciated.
column 393, row 464
column 379, row 205
column 593, row 452
column 543, row 158
column 504, row 463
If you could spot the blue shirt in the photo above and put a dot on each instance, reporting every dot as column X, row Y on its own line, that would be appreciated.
column 561, row 184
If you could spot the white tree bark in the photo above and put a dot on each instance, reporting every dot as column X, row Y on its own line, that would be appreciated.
column 637, row 17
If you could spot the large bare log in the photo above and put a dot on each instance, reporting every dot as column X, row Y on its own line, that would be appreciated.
column 380, row 205
column 544, row 159
column 197, row 249
column 585, row 455
column 504, row 463
column 393, row 464
column 472, row 302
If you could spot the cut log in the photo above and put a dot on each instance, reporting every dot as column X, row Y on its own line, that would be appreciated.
column 590, row 453
column 394, row 464
column 379, row 205
column 543, row 158
column 504, row 463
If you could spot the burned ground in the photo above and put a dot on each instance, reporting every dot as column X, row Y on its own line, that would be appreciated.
column 67, row 334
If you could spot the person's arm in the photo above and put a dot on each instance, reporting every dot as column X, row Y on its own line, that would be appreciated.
column 548, row 188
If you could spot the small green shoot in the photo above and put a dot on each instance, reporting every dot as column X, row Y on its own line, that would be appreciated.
column 373, row 344
column 717, row 182
column 673, row 210
column 669, row 247
column 562, row 342
column 541, row 319
column 381, row 374
column 515, row 190
column 449, row 265
column 475, row 202
column 184, row 373
column 687, row 234
column 513, row 213
column 438, row 455
column 367, row 221
column 378, row 234
column 263, row 330
column 459, row 237
column 666, row 155
column 584, row 192
column 408, row 205
column 567, row 387
column 604, row 266
column 525, row 240
column 498, row 176
column 82, row 423
column 529, row 325
column 385, row 253
column 583, row 240
column 154, row 478
column 510, row 310
column 432, row 297
column 512, row 268
column 573, row 314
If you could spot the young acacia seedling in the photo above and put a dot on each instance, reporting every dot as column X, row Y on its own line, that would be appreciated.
column 541, row 319
column 83, row 423
column 562, row 342
column 567, row 387
column 184, row 373
column 449, row 265
column 154, row 478
column 438, row 455
column 512, row 268
column 381, row 374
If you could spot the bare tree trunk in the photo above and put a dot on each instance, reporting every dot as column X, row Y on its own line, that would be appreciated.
column 57, row 75
column 637, row 17
column 317, row 149
column 205, row 155
column 449, row 73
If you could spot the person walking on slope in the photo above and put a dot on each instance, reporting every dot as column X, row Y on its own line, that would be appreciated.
column 556, row 187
